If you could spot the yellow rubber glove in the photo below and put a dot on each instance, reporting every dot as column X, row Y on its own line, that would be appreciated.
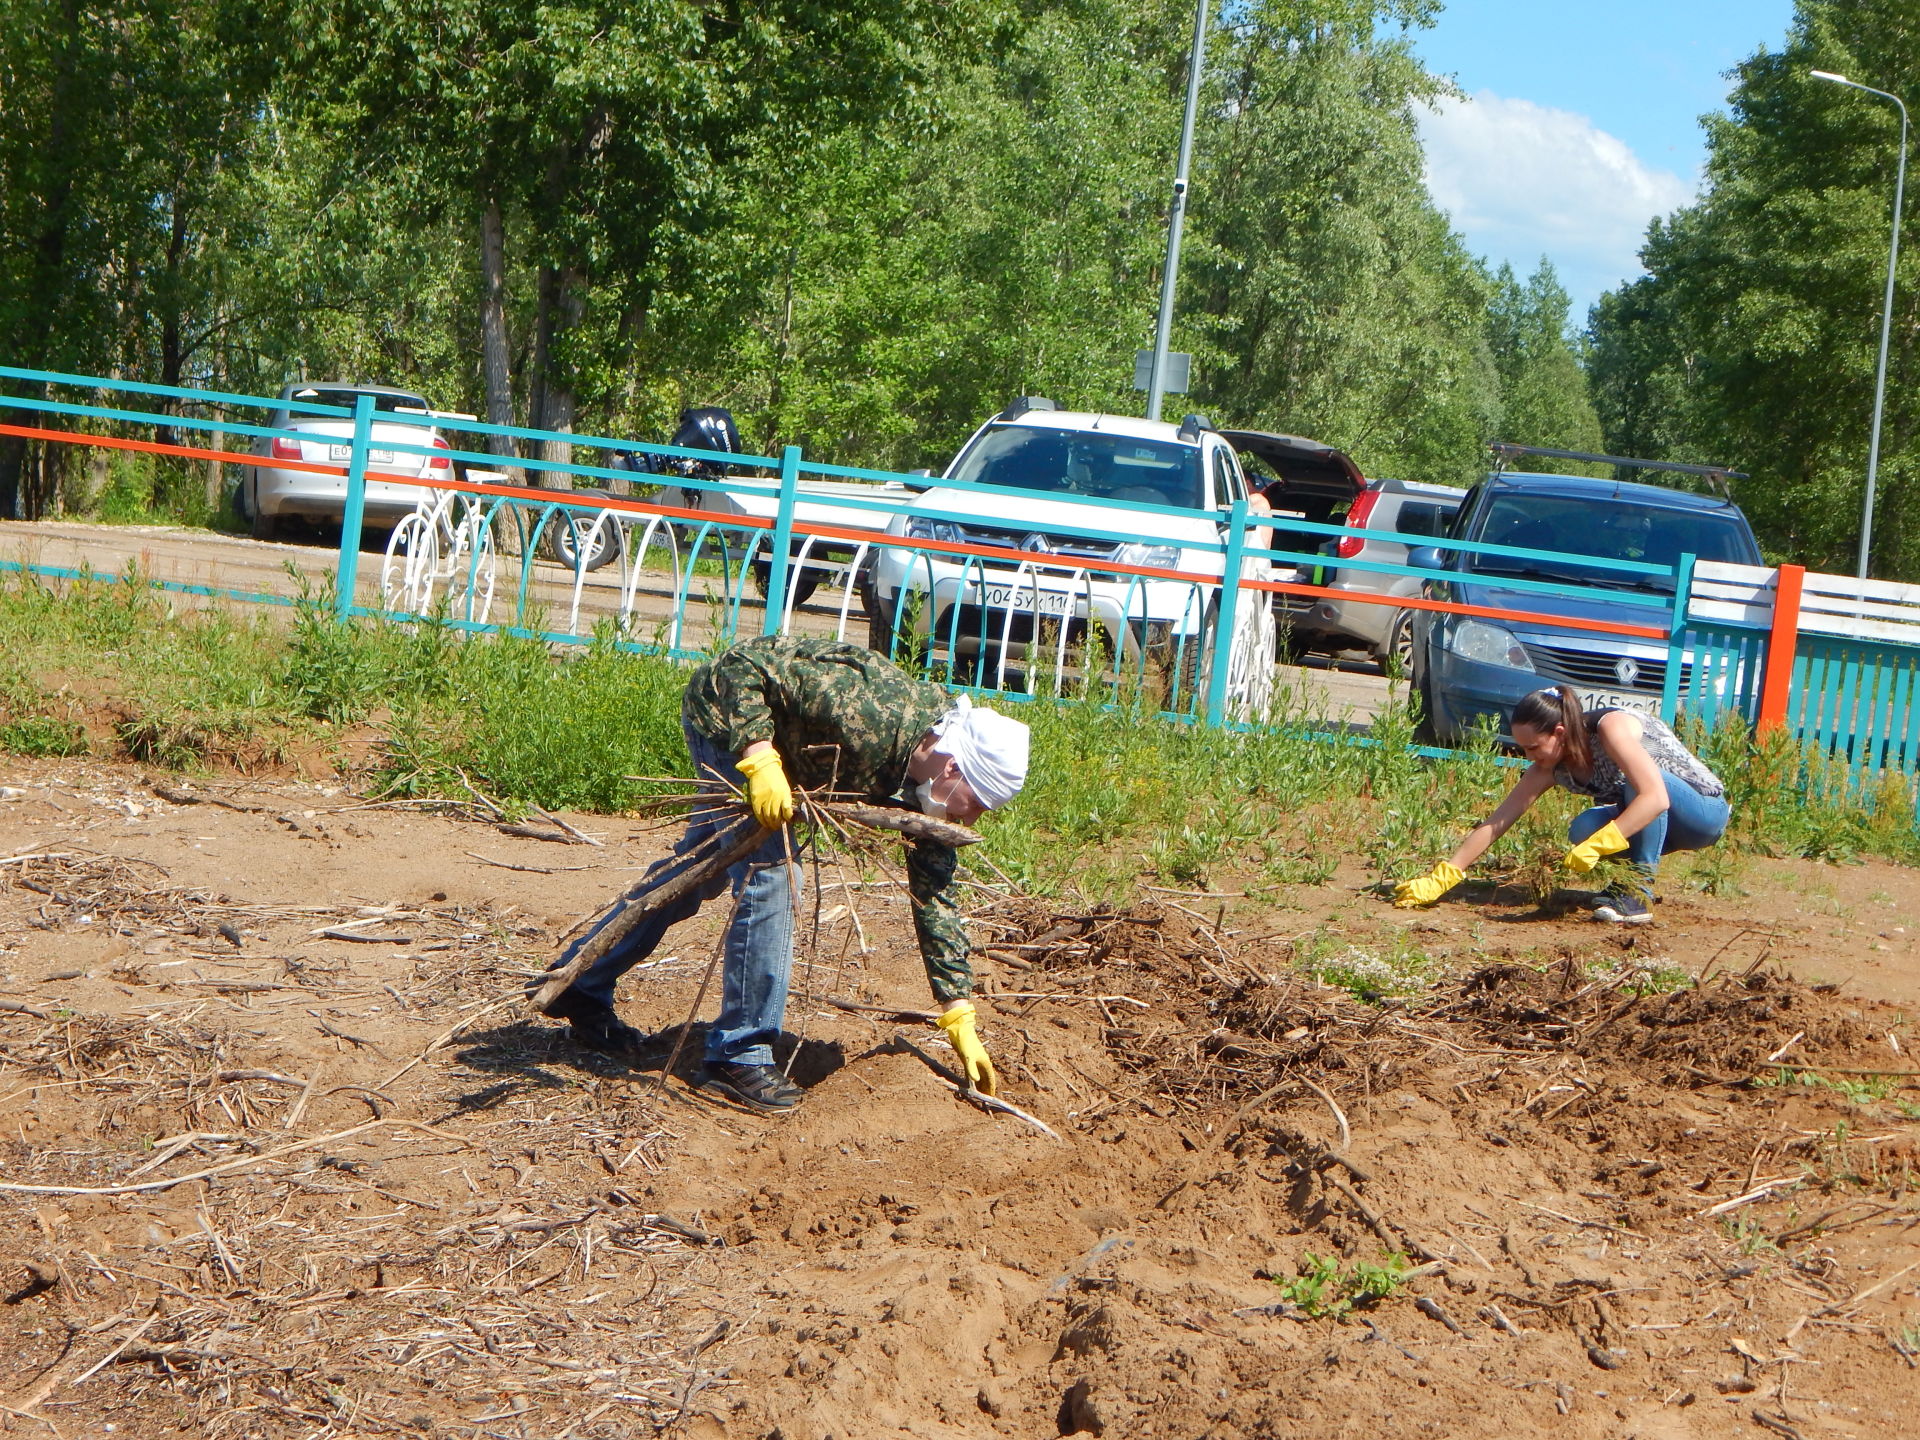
column 769, row 795
column 1412, row 894
column 958, row 1024
column 1607, row 840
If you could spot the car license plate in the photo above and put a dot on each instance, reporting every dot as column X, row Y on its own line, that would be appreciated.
column 374, row 457
column 1621, row 700
column 1021, row 597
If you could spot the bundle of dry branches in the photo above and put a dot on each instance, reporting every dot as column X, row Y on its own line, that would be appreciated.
column 729, row 847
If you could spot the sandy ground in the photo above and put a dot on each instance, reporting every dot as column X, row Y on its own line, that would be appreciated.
column 419, row 1211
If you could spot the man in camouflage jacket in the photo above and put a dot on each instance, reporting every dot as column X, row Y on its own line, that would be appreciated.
column 836, row 717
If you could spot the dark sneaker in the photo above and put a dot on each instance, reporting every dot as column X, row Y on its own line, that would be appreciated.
column 760, row 1088
column 596, row 1027
column 1622, row 905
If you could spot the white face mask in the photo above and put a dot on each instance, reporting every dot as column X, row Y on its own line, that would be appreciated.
column 923, row 792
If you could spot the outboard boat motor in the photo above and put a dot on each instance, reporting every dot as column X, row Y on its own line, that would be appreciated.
column 705, row 427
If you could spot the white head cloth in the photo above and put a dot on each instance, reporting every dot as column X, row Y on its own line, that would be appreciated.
column 990, row 749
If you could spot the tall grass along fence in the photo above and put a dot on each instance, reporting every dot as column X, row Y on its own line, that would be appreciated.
column 677, row 552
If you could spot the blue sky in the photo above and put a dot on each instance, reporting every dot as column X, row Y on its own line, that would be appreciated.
column 1581, row 122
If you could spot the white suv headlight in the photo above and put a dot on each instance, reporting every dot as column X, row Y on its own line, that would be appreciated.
column 1164, row 557
column 1488, row 644
column 942, row 530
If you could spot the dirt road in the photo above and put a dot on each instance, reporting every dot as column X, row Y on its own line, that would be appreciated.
column 1341, row 693
column 420, row 1211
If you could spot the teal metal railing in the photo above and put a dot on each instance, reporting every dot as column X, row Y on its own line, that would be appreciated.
column 778, row 543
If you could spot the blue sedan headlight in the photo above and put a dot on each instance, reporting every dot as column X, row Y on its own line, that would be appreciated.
column 1487, row 644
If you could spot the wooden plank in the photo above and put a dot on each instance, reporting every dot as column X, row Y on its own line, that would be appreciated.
column 1723, row 570
column 1895, row 592
column 1728, row 612
column 1812, row 623
column 1859, row 609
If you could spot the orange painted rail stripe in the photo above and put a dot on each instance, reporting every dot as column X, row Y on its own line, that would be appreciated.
column 154, row 447
column 1456, row 607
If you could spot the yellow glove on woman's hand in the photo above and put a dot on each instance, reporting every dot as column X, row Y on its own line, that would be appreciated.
column 1607, row 840
column 958, row 1024
column 769, row 795
column 1412, row 894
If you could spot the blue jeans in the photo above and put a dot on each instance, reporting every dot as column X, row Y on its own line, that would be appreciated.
column 1691, row 821
column 759, row 941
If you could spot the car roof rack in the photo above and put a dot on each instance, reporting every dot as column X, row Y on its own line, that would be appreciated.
column 1715, row 475
column 1023, row 403
column 1192, row 425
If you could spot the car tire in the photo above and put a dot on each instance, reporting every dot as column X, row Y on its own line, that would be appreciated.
column 566, row 536
column 1399, row 644
column 880, row 631
column 264, row 527
column 1425, row 732
column 802, row 580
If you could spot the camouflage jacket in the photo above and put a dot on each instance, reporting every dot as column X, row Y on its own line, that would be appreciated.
column 846, row 719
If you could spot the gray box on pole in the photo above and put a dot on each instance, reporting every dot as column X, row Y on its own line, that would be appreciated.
column 1179, row 371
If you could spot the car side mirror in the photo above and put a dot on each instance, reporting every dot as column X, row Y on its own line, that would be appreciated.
column 923, row 473
column 1427, row 557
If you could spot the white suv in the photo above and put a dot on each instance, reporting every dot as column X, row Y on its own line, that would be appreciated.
column 1074, row 485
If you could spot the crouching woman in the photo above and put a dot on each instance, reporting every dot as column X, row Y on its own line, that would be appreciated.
column 1651, row 796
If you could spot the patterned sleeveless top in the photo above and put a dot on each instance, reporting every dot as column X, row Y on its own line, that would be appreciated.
column 1608, row 783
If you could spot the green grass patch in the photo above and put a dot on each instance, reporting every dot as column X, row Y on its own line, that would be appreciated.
column 1325, row 1289
column 42, row 735
column 1116, row 791
column 1854, row 1089
column 1385, row 968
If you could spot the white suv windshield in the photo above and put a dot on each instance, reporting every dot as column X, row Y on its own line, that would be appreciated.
column 1081, row 462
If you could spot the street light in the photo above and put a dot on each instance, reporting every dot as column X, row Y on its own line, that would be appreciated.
column 1170, row 277
column 1886, row 311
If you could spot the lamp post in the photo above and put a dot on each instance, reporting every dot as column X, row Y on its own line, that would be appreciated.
column 1163, row 328
column 1886, row 312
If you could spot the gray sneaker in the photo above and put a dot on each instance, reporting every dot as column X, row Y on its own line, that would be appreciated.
column 759, row 1088
column 1622, row 905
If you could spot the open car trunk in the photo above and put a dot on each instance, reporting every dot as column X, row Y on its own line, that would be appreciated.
column 1300, row 475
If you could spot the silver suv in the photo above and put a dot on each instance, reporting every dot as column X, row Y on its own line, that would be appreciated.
column 1408, row 507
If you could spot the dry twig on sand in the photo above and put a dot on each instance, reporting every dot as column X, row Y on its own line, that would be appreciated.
column 230, row 1166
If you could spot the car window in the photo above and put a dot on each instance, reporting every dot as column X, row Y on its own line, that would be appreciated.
column 1611, row 530
column 1080, row 462
column 346, row 396
column 1227, row 484
column 1417, row 518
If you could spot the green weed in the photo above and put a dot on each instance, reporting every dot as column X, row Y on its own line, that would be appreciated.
column 1854, row 1089
column 1373, row 973
column 1325, row 1290
column 1748, row 1234
column 42, row 735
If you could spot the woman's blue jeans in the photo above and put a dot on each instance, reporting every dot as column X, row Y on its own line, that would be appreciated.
column 759, row 941
column 1691, row 821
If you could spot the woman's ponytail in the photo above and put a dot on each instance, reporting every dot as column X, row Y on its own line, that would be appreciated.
column 1548, row 710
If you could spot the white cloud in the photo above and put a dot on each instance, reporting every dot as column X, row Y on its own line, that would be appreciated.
column 1523, row 180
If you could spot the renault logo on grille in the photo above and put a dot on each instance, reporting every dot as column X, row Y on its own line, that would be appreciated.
column 1038, row 544
column 1628, row 669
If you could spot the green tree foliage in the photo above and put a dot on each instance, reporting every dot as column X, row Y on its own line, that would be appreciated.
column 1335, row 301
column 861, row 226
column 1752, row 341
column 1544, row 399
